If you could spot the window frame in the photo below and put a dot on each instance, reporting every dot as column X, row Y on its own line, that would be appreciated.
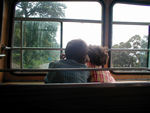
column 136, row 2
column 1, row 15
column 21, row 48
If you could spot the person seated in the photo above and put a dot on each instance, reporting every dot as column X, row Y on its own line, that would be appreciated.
column 75, row 57
column 98, row 57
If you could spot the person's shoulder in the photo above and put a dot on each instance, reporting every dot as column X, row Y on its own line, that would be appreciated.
column 58, row 63
column 74, row 63
column 53, row 63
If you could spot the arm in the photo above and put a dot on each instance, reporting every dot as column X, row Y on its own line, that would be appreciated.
column 108, row 78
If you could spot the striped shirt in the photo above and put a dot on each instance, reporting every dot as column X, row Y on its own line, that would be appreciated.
column 100, row 76
column 67, row 76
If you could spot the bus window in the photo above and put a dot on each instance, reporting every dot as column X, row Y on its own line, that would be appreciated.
column 43, row 28
column 130, row 36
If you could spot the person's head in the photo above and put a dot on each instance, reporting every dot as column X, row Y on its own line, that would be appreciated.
column 98, row 55
column 76, row 50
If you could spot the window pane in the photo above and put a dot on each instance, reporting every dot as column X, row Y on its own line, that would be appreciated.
column 39, row 58
column 149, row 47
column 130, row 36
column 131, row 13
column 83, row 10
column 127, row 35
column 129, row 59
column 72, row 10
column 46, row 33
column 41, row 34
column 89, row 32
column 15, row 59
column 17, row 34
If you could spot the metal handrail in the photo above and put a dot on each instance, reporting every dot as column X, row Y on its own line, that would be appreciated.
column 2, row 55
column 48, row 48
column 32, row 48
column 127, row 49
column 58, row 20
column 131, row 23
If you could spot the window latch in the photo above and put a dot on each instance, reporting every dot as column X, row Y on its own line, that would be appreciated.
column 1, row 51
column 2, row 55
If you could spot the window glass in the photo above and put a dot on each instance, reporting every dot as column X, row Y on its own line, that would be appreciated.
column 37, row 34
column 40, row 9
column 50, row 25
column 41, row 34
column 130, row 30
column 129, row 59
column 33, row 58
column 39, row 58
column 130, row 34
column 89, row 32
column 72, row 10
column 131, row 13
column 16, row 59
column 17, row 34
column 83, row 10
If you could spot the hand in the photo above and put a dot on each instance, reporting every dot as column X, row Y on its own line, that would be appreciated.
column 62, row 56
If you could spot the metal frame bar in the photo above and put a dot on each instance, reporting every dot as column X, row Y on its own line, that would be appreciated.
column 61, row 37
column 131, row 23
column 57, row 20
column 31, row 48
column 127, row 49
column 72, row 69
column 148, row 56
column 21, row 42
column 46, row 48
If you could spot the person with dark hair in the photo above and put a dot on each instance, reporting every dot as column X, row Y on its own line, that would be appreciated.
column 98, row 57
column 75, row 57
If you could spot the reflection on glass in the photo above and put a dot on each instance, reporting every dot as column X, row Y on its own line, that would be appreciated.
column 41, row 34
column 89, row 32
column 131, row 13
column 129, row 59
column 15, row 59
column 72, row 10
column 130, row 36
column 39, row 58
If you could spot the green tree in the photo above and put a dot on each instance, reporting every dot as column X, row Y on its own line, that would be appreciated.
column 37, row 33
column 131, row 58
column 40, row 9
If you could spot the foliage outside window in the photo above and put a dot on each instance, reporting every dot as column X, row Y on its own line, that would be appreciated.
column 42, row 29
column 130, row 32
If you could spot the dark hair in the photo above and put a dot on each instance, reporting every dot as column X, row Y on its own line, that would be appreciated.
column 76, row 50
column 98, row 55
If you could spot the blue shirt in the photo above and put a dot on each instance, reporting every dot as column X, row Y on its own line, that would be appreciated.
column 67, row 76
